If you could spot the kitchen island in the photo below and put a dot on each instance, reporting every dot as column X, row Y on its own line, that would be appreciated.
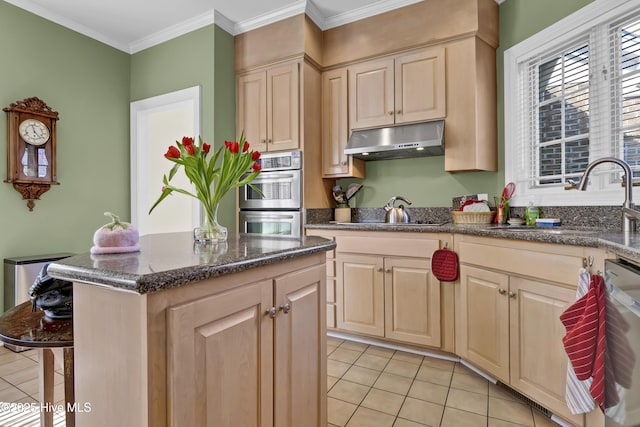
column 186, row 335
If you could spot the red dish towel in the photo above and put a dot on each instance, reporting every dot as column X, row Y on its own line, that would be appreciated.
column 585, row 343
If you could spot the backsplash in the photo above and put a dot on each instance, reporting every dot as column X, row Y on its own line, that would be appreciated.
column 603, row 217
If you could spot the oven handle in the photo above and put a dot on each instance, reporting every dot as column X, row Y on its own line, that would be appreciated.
column 272, row 176
column 271, row 216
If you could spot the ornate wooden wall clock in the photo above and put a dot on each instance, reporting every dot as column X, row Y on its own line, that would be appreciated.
column 31, row 148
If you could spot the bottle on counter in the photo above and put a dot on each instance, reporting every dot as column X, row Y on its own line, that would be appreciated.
column 531, row 214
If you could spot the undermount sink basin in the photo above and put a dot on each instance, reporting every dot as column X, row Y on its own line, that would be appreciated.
column 413, row 224
column 546, row 230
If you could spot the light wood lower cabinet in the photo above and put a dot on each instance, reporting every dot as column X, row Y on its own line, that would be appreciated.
column 384, row 287
column 412, row 301
column 510, row 328
column 510, row 298
column 235, row 364
column 391, row 297
column 482, row 334
column 209, row 353
column 360, row 294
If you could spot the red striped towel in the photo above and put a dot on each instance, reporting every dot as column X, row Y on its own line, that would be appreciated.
column 585, row 342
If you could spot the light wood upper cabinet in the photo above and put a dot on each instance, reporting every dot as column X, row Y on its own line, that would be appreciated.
column 335, row 128
column 371, row 102
column 420, row 86
column 268, row 107
column 399, row 89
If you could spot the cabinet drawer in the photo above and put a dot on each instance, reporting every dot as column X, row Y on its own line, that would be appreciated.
column 388, row 246
column 546, row 261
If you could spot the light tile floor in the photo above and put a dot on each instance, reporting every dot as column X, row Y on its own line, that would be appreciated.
column 370, row 386
column 19, row 389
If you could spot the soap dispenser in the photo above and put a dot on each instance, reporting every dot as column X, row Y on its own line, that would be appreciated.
column 531, row 214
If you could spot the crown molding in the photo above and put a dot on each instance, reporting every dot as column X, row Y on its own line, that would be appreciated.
column 364, row 12
column 173, row 31
column 68, row 23
column 217, row 18
column 269, row 18
column 314, row 13
column 223, row 22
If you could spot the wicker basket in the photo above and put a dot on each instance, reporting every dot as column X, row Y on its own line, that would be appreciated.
column 460, row 217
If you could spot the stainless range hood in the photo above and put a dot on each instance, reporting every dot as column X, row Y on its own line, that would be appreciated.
column 398, row 142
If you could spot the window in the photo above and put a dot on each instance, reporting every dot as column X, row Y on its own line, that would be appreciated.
column 572, row 95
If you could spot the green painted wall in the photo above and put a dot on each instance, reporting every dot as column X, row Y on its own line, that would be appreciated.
column 87, row 82
column 423, row 180
column 203, row 57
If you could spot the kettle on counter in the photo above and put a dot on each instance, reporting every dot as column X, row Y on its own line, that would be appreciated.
column 396, row 215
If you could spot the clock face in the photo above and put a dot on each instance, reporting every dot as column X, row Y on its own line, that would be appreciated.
column 34, row 132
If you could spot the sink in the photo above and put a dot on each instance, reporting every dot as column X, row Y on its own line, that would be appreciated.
column 412, row 224
column 545, row 230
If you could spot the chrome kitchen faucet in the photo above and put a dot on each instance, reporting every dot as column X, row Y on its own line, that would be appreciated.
column 629, row 214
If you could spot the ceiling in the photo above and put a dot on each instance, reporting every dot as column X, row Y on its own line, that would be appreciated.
column 134, row 25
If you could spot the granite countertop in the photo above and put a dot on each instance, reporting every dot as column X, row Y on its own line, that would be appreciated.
column 171, row 260
column 625, row 245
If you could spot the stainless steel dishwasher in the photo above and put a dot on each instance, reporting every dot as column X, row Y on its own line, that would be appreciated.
column 622, row 281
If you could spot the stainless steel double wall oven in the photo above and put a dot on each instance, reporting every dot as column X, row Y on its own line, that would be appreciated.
column 278, row 211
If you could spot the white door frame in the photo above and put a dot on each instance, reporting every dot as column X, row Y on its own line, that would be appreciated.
column 139, row 114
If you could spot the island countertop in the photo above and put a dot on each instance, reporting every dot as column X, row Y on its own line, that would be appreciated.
column 170, row 260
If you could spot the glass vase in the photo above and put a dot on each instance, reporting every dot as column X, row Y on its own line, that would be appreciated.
column 210, row 231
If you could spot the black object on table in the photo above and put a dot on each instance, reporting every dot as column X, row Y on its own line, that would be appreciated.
column 21, row 326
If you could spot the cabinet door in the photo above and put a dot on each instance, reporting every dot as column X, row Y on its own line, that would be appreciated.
column 360, row 294
column 220, row 350
column 538, row 359
column 371, row 88
column 252, row 108
column 300, row 383
column 420, row 86
column 482, row 335
column 283, row 107
column 412, row 301
column 335, row 128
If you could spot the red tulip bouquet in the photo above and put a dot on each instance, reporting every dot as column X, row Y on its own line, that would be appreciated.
column 211, row 178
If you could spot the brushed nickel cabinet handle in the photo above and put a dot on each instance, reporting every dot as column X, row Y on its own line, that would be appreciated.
column 388, row 270
column 502, row 291
column 399, row 112
column 379, row 269
column 286, row 308
column 512, row 294
column 343, row 163
column 272, row 312
column 391, row 113
column 264, row 141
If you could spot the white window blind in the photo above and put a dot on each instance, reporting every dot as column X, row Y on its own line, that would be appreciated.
column 573, row 99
